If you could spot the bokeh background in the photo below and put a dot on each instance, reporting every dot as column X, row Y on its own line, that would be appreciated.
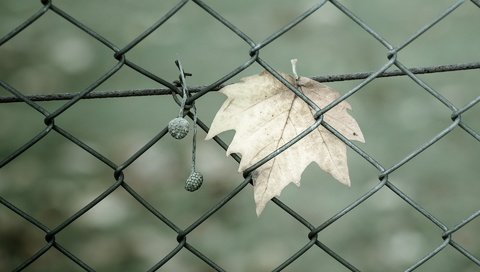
column 55, row 178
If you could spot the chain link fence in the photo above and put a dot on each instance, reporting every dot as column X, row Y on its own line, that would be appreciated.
column 311, row 229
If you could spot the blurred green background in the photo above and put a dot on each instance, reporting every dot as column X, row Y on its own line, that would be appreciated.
column 55, row 178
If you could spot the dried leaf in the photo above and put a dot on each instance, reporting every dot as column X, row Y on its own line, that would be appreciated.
column 265, row 115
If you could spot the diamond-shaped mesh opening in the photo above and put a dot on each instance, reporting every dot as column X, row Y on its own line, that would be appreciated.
column 396, row 28
column 399, row 101
column 458, row 87
column 144, row 239
column 322, row 43
column 131, row 16
column 464, row 235
column 450, row 260
column 470, row 118
column 58, row 182
column 193, row 33
column 52, row 54
column 23, row 239
column 445, row 38
column 52, row 260
column 279, row 241
column 219, row 43
column 277, row 13
column 432, row 175
column 112, row 118
column 410, row 234
column 19, row 123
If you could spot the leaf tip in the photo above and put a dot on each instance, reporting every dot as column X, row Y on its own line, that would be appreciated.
column 259, row 209
column 347, row 182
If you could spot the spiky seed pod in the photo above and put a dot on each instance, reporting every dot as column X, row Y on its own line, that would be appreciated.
column 194, row 181
column 178, row 128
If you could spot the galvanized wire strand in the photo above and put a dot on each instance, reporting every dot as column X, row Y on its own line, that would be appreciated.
column 225, row 22
column 465, row 252
column 362, row 24
column 428, row 256
column 57, row 95
column 72, row 257
column 25, row 24
column 421, row 148
column 466, row 107
column 337, row 257
column 151, row 29
column 430, row 25
column 24, row 215
column 204, row 258
column 288, row 27
column 369, row 79
column 426, row 87
column 463, row 223
column 34, row 257
column 470, row 131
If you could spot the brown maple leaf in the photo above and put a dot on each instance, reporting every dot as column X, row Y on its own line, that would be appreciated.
column 265, row 115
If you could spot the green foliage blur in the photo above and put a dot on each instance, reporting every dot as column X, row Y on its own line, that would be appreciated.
column 55, row 178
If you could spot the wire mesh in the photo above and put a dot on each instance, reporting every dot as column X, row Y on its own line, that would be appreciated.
column 311, row 230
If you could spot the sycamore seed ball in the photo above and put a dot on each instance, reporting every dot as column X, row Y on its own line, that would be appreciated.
column 178, row 127
column 194, row 181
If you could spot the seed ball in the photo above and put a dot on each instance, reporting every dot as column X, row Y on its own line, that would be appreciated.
column 194, row 181
column 178, row 128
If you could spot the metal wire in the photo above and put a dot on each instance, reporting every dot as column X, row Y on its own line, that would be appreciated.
column 194, row 89
column 311, row 230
